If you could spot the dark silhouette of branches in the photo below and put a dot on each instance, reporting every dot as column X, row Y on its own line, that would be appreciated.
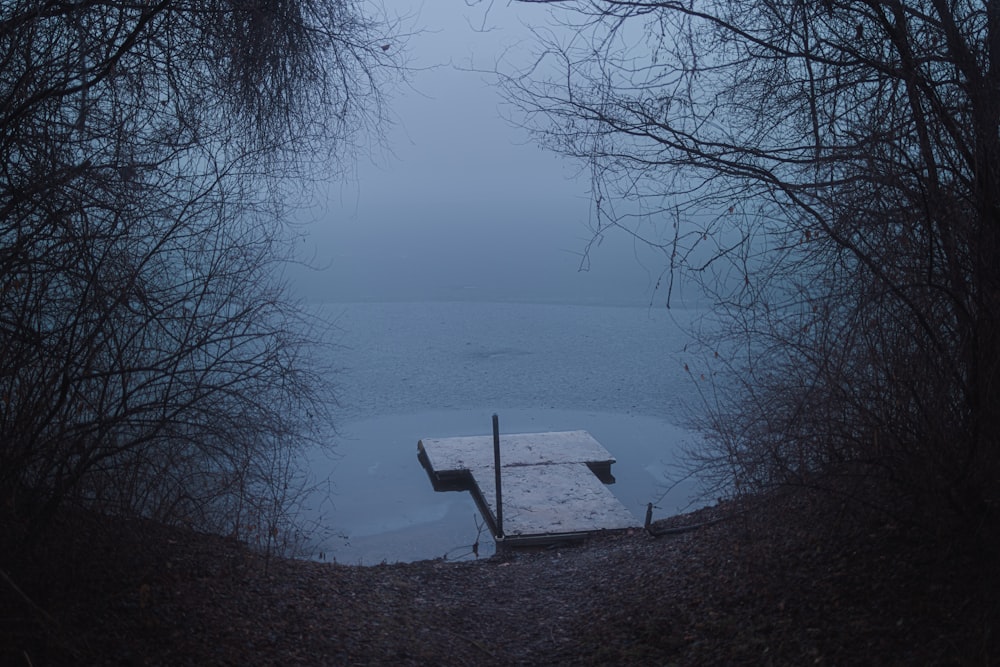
column 833, row 172
column 151, row 362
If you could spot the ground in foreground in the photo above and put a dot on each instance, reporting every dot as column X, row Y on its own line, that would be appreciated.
column 781, row 582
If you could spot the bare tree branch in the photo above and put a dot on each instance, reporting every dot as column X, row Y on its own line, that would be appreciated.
column 836, row 166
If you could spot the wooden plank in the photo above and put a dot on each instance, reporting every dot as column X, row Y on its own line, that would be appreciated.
column 552, row 499
column 550, row 489
column 450, row 455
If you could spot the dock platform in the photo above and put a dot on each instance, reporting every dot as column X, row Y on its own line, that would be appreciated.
column 552, row 484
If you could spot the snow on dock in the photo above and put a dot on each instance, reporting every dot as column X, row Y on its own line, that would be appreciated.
column 552, row 484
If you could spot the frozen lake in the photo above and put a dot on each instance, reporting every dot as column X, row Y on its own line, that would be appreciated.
column 440, row 369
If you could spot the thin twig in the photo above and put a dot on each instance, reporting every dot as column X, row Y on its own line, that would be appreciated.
column 24, row 596
column 473, row 642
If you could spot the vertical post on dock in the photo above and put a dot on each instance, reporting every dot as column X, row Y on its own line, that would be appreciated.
column 496, row 468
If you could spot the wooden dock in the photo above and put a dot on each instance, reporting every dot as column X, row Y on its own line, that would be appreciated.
column 552, row 484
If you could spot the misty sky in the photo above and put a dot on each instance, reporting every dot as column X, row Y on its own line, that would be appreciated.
column 466, row 206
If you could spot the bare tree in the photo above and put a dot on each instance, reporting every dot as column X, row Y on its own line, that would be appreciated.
column 830, row 173
column 151, row 361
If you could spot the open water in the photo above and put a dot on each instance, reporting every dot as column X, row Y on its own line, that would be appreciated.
column 421, row 370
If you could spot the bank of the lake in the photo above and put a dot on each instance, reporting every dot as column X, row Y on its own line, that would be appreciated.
column 786, row 582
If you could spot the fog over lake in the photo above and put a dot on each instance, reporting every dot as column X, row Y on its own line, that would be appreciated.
column 457, row 202
column 453, row 263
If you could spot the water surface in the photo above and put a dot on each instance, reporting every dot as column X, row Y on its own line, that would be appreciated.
column 423, row 370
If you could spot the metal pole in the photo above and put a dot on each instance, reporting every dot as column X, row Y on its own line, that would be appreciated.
column 496, row 469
